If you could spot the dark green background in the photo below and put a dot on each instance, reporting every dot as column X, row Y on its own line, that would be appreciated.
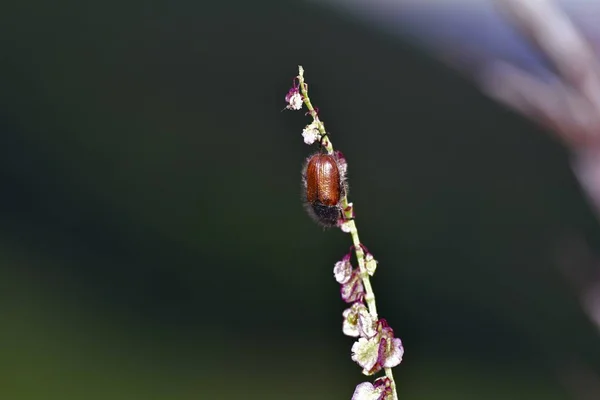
column 152, row 239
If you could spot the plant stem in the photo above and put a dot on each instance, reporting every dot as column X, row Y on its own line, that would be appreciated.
column 348, row 215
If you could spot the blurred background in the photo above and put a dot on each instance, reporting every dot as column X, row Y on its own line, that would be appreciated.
column 153, row 243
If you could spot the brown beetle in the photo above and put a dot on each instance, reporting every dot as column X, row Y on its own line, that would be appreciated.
column 324, row 186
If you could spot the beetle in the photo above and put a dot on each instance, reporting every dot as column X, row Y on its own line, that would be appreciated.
column 324, row 187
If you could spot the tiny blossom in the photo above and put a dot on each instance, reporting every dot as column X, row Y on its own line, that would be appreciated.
column 381, row 390
column 368, row 327
column 293, row 98
column 343, row 270
column 380, row 351
column 365, row 352
column 391, row 350
column 353, row 290
column 345, row 225
column 370, row 263
column 350, row 323
column 311, row 133
column 358, row 321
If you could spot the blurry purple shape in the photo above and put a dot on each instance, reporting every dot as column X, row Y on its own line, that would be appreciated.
column 538, row 57
column 466, row 33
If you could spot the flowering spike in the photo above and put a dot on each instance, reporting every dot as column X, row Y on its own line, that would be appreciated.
column 376, row 348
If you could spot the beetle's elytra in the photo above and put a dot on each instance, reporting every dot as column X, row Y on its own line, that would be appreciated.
column 323, row 188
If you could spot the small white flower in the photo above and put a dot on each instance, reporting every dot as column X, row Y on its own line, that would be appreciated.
column 381, row 390
column 295, row 101
column 365, row 352
column 391, row 349
column 352, row 290
column 346, row 226
column 355, row 318
column 395, row 355
column 366, row 391
column 350, row 324
column 294, row 98
column 368, row 326
column 343, row 270
column 370, row 264
column 311, row 133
